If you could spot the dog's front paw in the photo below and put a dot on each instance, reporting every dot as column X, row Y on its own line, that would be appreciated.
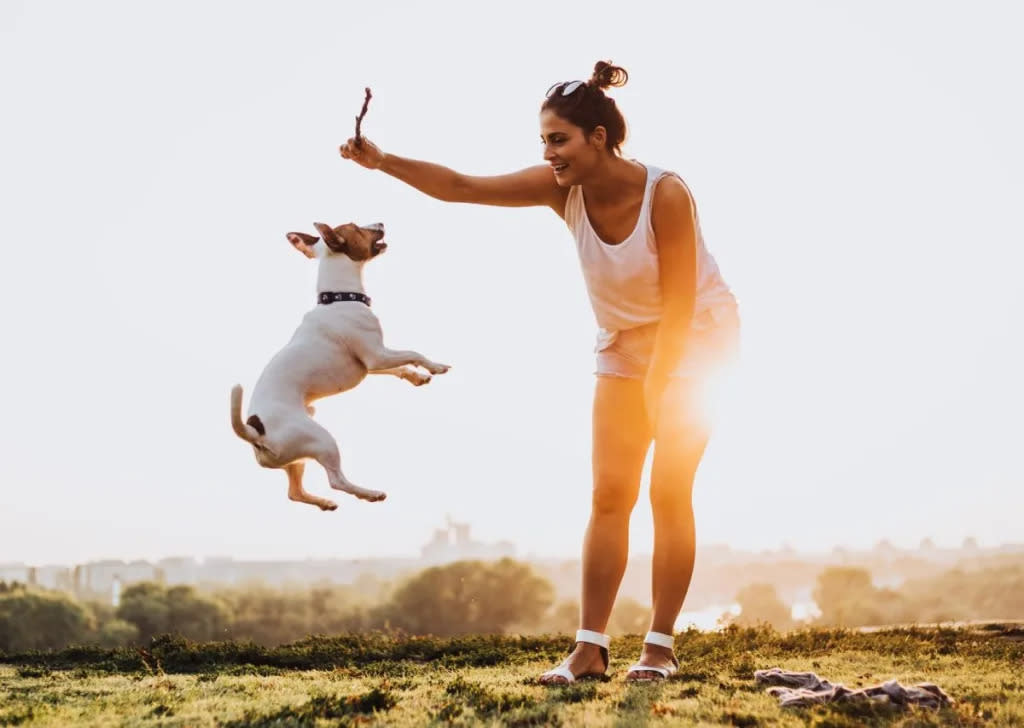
column 418, row 380
column 326, row 505
column 435, row 368
column 373, row 496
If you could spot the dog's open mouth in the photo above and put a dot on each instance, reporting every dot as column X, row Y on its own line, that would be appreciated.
column 378, row 245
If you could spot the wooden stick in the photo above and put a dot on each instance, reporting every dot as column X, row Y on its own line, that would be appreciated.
column 359, row 119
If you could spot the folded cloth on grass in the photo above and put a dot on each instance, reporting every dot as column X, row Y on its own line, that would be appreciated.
column 797, row 689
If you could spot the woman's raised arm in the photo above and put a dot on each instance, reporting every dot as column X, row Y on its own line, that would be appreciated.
column 533, row 186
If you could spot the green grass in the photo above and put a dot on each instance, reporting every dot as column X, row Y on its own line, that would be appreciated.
column 376, row 680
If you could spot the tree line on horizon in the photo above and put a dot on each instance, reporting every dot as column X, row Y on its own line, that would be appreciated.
column 463, row 598
column 847, row 597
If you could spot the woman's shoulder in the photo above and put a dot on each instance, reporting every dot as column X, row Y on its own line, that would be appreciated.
column 660, row 178
column 669, row 191
column 656, row 172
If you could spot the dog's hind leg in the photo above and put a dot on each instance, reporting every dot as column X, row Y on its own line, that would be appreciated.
column 325, row 451
column 297, row 493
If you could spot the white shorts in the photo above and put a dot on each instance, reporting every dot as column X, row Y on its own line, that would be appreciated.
column 713, row 344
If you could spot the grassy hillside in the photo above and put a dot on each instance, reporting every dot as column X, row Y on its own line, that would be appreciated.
column 373, row 680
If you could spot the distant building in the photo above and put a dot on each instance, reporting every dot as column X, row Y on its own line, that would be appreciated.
column 97, row 577
column 14, row 572
column 453, row 543
column 180, row 570
column 52, row 577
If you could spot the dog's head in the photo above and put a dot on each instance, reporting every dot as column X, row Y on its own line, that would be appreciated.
column 357, row 243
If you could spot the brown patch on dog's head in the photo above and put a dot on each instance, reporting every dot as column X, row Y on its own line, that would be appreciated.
column 358, row 243
column 303, row 243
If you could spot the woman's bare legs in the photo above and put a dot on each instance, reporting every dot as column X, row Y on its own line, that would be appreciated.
column 620, row 442
column 679, row 445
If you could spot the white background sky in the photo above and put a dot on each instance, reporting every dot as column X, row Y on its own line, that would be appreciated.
column 858, row 171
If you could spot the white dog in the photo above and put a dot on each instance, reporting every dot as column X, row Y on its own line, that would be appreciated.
column 338, row 342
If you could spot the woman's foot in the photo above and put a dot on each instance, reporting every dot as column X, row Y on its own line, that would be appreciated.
column 653, row 656
column 586, row 660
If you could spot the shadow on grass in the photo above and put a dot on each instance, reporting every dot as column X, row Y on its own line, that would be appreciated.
column 321, row 707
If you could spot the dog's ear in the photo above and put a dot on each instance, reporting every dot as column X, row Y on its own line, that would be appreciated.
column 333, row 241
column 303, row 243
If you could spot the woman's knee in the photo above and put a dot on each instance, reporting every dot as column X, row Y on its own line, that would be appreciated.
column 672, row 494
column 614, row 496
column 671, row 505
column 676, row 460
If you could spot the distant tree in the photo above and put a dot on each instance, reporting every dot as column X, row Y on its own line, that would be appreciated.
column 335, row 609
column 266, row 616
column 513, row 593
column 629, row 617
column 760, row 604
column 993, row 593
column 469, row 597
column 33, row 619
column 196, row 616
column 154, row 610
column 272, row 616
column 846, row 597
column 563, row 617
column 108, row 630
column 145, row 605
column 117, row 633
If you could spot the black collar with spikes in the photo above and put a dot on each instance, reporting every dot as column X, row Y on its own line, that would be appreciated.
column 326, row 297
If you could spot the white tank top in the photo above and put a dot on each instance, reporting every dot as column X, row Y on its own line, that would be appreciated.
column 622, row 279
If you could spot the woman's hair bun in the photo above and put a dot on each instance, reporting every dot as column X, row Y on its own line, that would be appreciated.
column 605, row 75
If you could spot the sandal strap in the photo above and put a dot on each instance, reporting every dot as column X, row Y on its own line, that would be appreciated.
column 593, row 638
column 660, row 639
column 596, row 638
column 663, row 671
column 562, row 672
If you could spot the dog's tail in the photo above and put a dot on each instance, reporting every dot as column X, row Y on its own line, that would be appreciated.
column 247, row 432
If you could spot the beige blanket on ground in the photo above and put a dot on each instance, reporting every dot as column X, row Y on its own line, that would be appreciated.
column 797, row 689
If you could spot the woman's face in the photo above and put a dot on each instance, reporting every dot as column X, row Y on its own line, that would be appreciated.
column 571, row 155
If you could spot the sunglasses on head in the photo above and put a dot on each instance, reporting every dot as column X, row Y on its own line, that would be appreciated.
column 568, row 88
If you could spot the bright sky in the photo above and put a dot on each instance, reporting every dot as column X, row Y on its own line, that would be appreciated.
column 857, row 167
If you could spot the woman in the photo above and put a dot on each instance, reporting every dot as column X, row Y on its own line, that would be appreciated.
column 666, row 319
